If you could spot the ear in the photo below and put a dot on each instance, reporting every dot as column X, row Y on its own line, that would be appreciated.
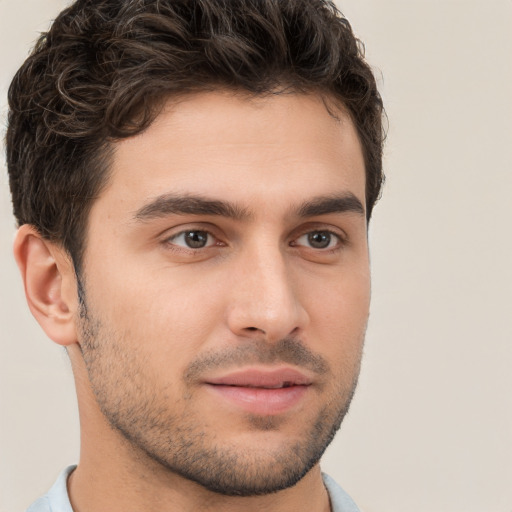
column 50, row 284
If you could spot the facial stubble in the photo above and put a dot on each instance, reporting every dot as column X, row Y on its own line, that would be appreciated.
column 181, row 442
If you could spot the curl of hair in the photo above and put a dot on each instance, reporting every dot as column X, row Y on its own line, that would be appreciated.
column 105, row 67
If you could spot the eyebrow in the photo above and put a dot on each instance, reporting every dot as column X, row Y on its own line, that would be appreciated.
column 194, row 205
column 347, row 202
column 189, row 205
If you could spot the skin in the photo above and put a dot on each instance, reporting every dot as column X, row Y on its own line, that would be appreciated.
column 160, row 319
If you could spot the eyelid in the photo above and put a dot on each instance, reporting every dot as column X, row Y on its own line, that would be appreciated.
column 176, row 236
column 318, row 227
column 169, row 235
column 336, row 239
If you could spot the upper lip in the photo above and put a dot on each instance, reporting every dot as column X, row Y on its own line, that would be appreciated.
column 262, row 378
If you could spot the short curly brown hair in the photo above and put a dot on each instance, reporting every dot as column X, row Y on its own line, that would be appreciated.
column 105, row 66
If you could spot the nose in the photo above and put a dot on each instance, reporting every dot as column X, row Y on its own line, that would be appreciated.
column 264, row 299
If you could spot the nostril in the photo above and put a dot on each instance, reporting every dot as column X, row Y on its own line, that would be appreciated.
column 254, row 329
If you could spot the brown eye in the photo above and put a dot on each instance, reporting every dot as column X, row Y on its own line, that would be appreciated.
column 319, row 239
column 196, row 239
column 193, row 239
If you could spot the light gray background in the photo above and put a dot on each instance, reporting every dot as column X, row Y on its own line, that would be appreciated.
column 431, row 426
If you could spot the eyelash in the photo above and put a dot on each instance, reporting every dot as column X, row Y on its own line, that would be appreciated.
column 169, row 242
column 340, row 240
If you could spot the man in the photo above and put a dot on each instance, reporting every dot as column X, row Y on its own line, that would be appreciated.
column 193, row 182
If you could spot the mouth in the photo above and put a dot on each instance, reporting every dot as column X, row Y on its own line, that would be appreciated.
column 274, row 378
column 261, row 391
column 278, row 386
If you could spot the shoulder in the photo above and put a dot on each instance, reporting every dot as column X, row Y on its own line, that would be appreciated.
column 340, row 500
column 57, row 499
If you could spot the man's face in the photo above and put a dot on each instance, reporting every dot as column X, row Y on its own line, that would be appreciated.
column 226, row 288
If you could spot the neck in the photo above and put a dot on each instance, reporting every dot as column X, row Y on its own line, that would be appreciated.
column 114, row 489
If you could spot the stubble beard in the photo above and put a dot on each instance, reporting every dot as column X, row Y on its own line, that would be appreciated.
column 180, row 443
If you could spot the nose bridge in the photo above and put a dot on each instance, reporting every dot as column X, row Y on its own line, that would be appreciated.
column 265, row 298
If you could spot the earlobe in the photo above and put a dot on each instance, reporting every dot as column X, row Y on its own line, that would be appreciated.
column 49, row 279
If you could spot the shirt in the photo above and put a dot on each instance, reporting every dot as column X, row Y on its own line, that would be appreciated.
column 57, row 499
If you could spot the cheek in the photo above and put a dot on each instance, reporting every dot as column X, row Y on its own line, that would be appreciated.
column 166, row 313
column 339, row 314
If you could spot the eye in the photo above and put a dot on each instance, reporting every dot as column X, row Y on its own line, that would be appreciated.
column 319, row 240
column 192, row 239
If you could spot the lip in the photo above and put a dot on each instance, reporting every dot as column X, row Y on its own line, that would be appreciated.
column 261, row 391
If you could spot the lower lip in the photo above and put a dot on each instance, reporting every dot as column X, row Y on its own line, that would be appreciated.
column 261, row 401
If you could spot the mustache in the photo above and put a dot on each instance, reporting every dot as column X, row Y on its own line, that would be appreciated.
column 288, row 350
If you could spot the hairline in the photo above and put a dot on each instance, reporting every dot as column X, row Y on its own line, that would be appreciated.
column 105, row 152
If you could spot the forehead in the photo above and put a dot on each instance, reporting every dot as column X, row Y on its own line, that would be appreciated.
column 238, row 147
